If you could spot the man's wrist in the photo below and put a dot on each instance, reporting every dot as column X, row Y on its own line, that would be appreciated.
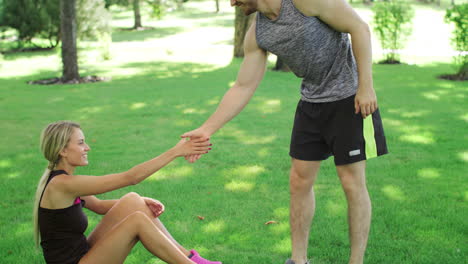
column 208, row 130
column 365, row 88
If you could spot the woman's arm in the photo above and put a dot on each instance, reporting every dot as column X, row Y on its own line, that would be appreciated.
column 89, row 185
column 103, row 206
column 97, row 205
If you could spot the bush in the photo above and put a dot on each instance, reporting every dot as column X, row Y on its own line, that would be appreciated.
column 32, row 18
column 157, row 8
column 41, row 18
column 108, row 3
column 93, row 23
column 93, row 19
column 392, row 22
column 458, row 14
column 51, row 30
column 160, row 7
column 1, row 13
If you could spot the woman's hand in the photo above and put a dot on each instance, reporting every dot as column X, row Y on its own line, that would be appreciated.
column 195, row 146
column 155, row 206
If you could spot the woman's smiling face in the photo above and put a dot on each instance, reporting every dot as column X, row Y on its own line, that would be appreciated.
column 76, row 151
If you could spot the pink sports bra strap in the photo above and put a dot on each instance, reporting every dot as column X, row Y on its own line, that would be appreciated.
column 77, row 200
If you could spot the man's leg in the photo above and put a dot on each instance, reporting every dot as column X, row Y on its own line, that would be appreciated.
column 302, row 205
column 353, row 181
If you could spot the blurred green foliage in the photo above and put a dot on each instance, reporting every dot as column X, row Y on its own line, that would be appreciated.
column 392, row 22
column 458, row 15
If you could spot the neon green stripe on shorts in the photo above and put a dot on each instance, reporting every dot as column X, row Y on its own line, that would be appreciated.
column 371, row 147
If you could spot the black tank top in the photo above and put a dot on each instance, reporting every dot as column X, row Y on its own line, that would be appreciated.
column 62, row 231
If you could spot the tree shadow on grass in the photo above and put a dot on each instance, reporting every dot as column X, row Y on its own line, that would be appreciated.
column 425, row 125
column 142, row 35
column 29, row 54
column 154, row 105
column 243, row 183
column 204, row 18
column 194, row 13
column 221, row 22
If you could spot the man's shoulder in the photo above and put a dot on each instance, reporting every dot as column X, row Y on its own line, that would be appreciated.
column 311, row 7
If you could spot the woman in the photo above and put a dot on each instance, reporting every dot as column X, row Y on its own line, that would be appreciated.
column 59, row 220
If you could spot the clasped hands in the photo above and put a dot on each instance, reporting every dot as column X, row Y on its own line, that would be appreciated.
column 198, row 133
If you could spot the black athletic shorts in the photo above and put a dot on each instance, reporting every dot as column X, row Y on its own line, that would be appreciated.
column 324, row 129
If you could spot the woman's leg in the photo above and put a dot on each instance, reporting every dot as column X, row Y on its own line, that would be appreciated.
column 163, row 229
column 128, row 204
column 114, row 246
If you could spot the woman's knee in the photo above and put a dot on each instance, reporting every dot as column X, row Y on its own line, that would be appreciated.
column 132, row 200
column 131, row 196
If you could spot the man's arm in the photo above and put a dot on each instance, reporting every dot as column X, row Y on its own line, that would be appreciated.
column 236, row 98
column 341, row 16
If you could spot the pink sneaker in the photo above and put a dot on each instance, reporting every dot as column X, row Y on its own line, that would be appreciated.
column 199, row 260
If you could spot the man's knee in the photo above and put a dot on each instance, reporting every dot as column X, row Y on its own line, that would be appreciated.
column 300, row 180
column 352, row 180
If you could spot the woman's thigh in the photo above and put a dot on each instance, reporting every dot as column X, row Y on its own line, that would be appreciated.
column 114, row 246
column 127, row 205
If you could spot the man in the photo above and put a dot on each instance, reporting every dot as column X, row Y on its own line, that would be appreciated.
column 337, row 94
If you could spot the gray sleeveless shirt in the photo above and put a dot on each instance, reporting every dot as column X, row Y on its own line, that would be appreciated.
column 313, row 50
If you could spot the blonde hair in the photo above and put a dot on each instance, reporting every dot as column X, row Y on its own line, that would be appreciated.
column 54, row 139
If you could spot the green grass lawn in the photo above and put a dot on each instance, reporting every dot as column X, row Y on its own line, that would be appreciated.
column 168, row 80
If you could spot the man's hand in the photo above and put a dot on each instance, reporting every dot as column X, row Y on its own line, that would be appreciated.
column 194, row 134
column 194, row 146
column 156, row 207
column 365, row 101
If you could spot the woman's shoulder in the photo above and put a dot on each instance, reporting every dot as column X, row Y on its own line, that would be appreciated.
column 55, row 194
column 58, row 179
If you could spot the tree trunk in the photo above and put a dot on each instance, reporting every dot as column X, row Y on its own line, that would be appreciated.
column 68, row 34
column 281, row 66
column 137, row 15
column 217, row 6
column 242, row 23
